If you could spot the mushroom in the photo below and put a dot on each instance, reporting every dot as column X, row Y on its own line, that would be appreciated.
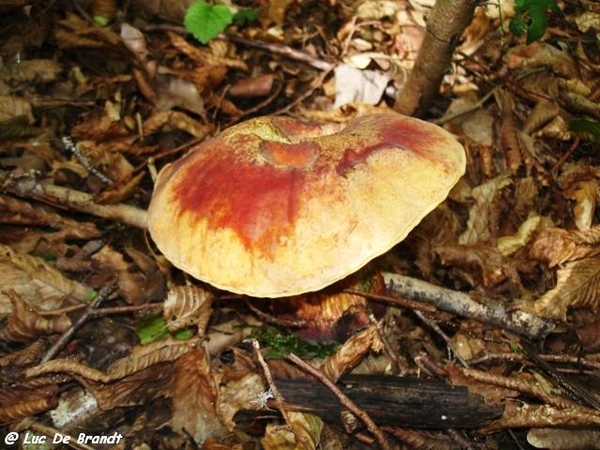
column 275, row 206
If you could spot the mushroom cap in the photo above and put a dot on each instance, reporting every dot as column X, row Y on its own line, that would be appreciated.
column 275, row 207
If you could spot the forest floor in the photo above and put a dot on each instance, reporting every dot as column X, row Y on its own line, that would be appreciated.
column 104, row 344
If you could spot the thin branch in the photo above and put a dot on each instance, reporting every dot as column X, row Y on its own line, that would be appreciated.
column 30, row 187
column 462, row 304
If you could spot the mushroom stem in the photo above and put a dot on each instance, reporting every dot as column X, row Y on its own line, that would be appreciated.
column 30, row 187
column 462, row 304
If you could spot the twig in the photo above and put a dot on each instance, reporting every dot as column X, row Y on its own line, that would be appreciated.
column 103, row 294
column 30, row 187
column 434, row 326
column 344, row 400
column 462, row 304
column 281, row 50
column 277, row 395
column 85, row 162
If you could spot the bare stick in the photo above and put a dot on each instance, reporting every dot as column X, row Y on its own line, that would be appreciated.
column 277, row 395
column 58, row 345
column 30, row 187
column 344, row 400
column 462, row 304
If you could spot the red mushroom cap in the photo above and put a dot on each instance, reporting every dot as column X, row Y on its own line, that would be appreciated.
column 275, row 207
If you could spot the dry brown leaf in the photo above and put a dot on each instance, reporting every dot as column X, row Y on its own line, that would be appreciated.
column 589, row 337
column 481, row 264
column 236, row 395
column 16, row 403
column 36, row 282
column 281, row 437
column 541, row 54
column 577, row 286
column 543, row 112
column 351, row 353
column 510, row 143
column 19, row 212
column 140, row 358
column 479, row 223
column 76, row 32
column 11, row 107
column 556, row 246
column 178, row 121
column 188, row 306
column 25, row 356
column 195, row 398
column 25, row 324
column 120, row 190
column 564, row 439
column 134, row 389
column 523, row 415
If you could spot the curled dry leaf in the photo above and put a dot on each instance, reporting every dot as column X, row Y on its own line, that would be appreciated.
column 524, row 415
column 140, row 358
column 17, row 404
column 577, row 286
column 19, row 212
column 35, row 281
column 195, row 398
column 556, row 246
column 25, row 324
column 507, row 245
column 508, row 131
column 25, row 356
column 479, row 225
column 188, row 306
column 306, row 435
column 563, row 439
column 352, row 353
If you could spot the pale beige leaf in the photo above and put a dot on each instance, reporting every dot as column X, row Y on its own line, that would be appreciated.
column 577, row 286
column 187, row 306
column 510, row 244
column 478, row 225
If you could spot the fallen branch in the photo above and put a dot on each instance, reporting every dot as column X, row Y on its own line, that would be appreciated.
column 46, row 192
column 462, row 304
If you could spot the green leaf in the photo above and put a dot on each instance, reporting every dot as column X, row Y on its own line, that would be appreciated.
column 244, row 16
column 586, row 129
column 156, row 329
column 531, row 18
column 206, row 21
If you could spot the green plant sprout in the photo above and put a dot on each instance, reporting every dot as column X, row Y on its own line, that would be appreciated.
column 206, row 21
column 531, row 18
